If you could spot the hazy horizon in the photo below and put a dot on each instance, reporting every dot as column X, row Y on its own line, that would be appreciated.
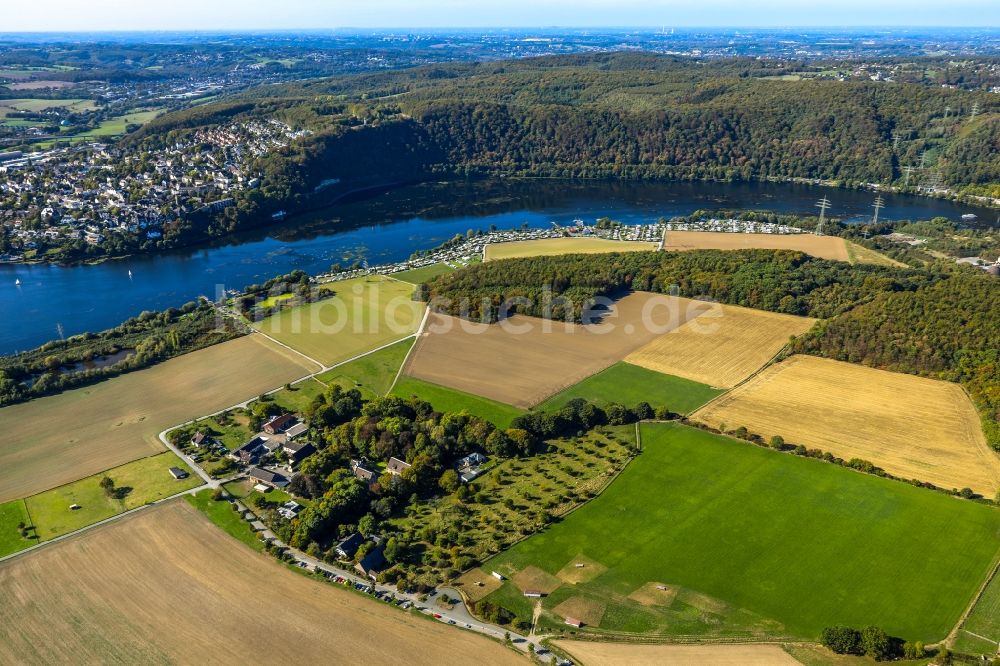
column 63, row 16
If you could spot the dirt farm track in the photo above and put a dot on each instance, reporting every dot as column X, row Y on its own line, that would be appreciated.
column 168, row 586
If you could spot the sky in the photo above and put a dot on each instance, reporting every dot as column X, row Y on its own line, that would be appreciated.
column 93, row 15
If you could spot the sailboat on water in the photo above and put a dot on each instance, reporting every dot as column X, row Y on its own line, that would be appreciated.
column 17, row 282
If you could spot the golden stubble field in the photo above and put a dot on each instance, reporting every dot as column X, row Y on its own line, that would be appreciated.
column 546, row 247
column 722, row 347
column 589, row 653
column 825, row 247
column 168, row 586
column 62, row 438
column 913, row 427
column 523, row 369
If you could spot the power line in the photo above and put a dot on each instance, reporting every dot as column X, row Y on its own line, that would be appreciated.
column 908, row 170
column 822, row 204
column 974, row 112
column 878, row 205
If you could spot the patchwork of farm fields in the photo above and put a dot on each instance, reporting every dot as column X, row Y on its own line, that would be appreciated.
column 547, row 247
column 628, row 385
column 168, row 586
column 365, row 314
column 824, row 247
column 58, row 439
column 450, row 400
column 705, row 535
column 524, row 360
column 48, row 515
column 912, row 427
column 723, row 346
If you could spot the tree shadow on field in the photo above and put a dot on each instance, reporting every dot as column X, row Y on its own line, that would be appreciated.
column 121, row 492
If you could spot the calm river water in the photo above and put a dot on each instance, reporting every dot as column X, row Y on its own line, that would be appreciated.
column 65, row 300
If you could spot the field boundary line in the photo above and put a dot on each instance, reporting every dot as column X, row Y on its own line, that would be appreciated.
column 752, row 375
column 101, row 523
column 294, row 351
column 409, row 352
column 950, row 638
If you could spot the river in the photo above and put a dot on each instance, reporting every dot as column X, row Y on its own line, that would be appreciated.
column 54, row 301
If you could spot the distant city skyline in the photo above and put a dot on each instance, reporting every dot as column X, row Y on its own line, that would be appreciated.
column 221, row 15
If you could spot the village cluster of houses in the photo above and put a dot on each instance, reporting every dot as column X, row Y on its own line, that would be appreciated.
column 91, row 192
column 733, row 226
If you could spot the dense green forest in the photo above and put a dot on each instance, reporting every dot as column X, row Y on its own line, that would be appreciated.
column 612, row 115
column 941, row 321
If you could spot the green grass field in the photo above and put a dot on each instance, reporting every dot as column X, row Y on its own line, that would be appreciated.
column 365, row 314
column 423, row 274
column 371, row 374
column 34, row 105
column 449, row 400
column 141, row 482
column 629, row 385
column 749, row 542
column 222, row 514
column 980, row 634
column 11, row 514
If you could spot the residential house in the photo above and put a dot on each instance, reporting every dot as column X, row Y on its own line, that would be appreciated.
column 200, row 439
column 178, row 473
column 251, row 452
column 396, row 466
column 280, row 423
column 373, row 561
column 470, row 466
column 290, row 509
column 363, row 470
column 296, row 430
column 348, row 546
column 298, row 451
column 267, row 477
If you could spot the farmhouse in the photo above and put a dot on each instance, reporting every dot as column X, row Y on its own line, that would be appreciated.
column 363, row 470
column 537, row 594
column 470, row 466
column 280, row 424
column 348, row 546
column 296, row 430
column 267, row 477
column 199, row 439
column 396, row 466
column 178, row 473
column 251, row 452
column 573, row 622
column 298, row 451
column 373, row 561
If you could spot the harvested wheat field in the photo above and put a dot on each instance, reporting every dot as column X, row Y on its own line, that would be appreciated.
column 547, row 247
column 722, row 347
column 62, row 438
column 824, row 247
column 590, row 653
column 168, row 586
column 913, row 427
column 524, row 360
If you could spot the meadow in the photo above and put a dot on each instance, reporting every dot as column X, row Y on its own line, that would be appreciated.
column 824, row 247
column 365, row 314
column 547, row 247
column 980, row 633
column 912, row 427
column 628, row 385
column 722, row 347
column 446, row 399
column 136, row 483
column 710, row 536
column 58, row 439
column 35, row 105
column 372, row 374
column 524, row 360
column 168, row 586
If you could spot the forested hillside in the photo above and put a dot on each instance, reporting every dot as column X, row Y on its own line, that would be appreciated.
column 623, row 115
column 942, row 321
